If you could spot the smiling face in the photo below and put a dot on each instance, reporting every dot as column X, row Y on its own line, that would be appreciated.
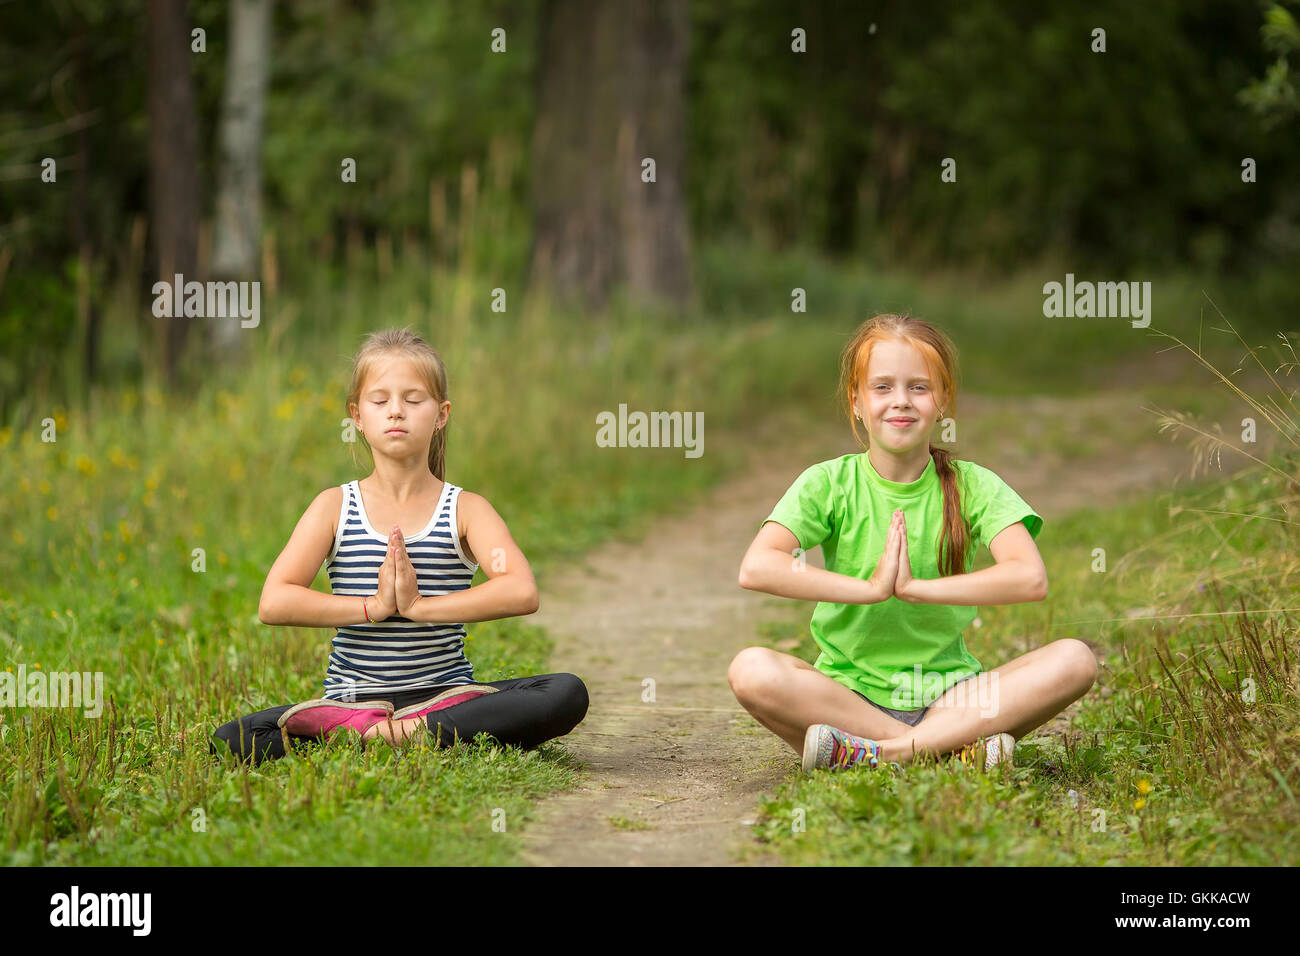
column 897, row 387
column 397, row 414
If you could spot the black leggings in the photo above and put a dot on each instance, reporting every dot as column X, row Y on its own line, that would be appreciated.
column 525, row 711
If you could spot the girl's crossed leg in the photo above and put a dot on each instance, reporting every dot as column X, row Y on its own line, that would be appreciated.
column 525, row 712
column 787, row 695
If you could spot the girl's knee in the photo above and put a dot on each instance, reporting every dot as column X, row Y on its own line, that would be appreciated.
column 229, row 732
column 229, row 736
column 245, row 742
column 745, row 662
column 753, row 673
column 573, row 699
column 1080, row 661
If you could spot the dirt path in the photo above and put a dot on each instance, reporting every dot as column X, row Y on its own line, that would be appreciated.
column 676, row 780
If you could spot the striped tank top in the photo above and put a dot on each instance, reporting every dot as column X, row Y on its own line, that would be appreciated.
column 397, row 653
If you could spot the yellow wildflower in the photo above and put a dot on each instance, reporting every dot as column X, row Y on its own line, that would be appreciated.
column 1139, row 803
column 85, row 465
column 52, row 513
column 1144, row 787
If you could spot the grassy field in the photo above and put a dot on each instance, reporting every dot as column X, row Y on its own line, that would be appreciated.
column 102, row 526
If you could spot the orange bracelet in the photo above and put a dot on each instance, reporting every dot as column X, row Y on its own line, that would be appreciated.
column 365, row 610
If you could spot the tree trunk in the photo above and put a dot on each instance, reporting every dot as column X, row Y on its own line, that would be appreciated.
column 611, row 93
column 173, row 163
column 88, row 317
column 237, row 240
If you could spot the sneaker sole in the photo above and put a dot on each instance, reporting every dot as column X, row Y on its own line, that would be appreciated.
column 448, row 698
column 810, row 741
column 1006, row 752
column 341, row 704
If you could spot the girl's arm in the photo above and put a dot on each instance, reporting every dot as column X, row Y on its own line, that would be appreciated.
column 509, row 590
column 769, row 566
column 1018, row 576
column 287, row 596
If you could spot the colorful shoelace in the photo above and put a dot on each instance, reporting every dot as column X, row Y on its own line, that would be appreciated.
column 850, row 750
column 970, row 752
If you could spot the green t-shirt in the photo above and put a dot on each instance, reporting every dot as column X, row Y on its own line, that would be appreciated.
column 899, row 655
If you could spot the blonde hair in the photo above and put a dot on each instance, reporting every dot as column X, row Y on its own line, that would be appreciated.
column 940, row 357
column 428, row 364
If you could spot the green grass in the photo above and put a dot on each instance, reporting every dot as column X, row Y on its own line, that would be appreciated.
column 1168, row 763
column 103, row 524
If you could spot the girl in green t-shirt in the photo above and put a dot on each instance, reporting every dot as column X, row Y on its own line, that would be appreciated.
column 899, row 525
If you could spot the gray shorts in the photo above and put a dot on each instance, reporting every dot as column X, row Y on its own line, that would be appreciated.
column 909, row 717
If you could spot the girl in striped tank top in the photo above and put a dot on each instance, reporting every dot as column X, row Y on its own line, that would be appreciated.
column 401, row 547
column 396, row 653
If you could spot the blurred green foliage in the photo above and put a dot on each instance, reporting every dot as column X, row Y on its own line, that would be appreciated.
column 1125, row 161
